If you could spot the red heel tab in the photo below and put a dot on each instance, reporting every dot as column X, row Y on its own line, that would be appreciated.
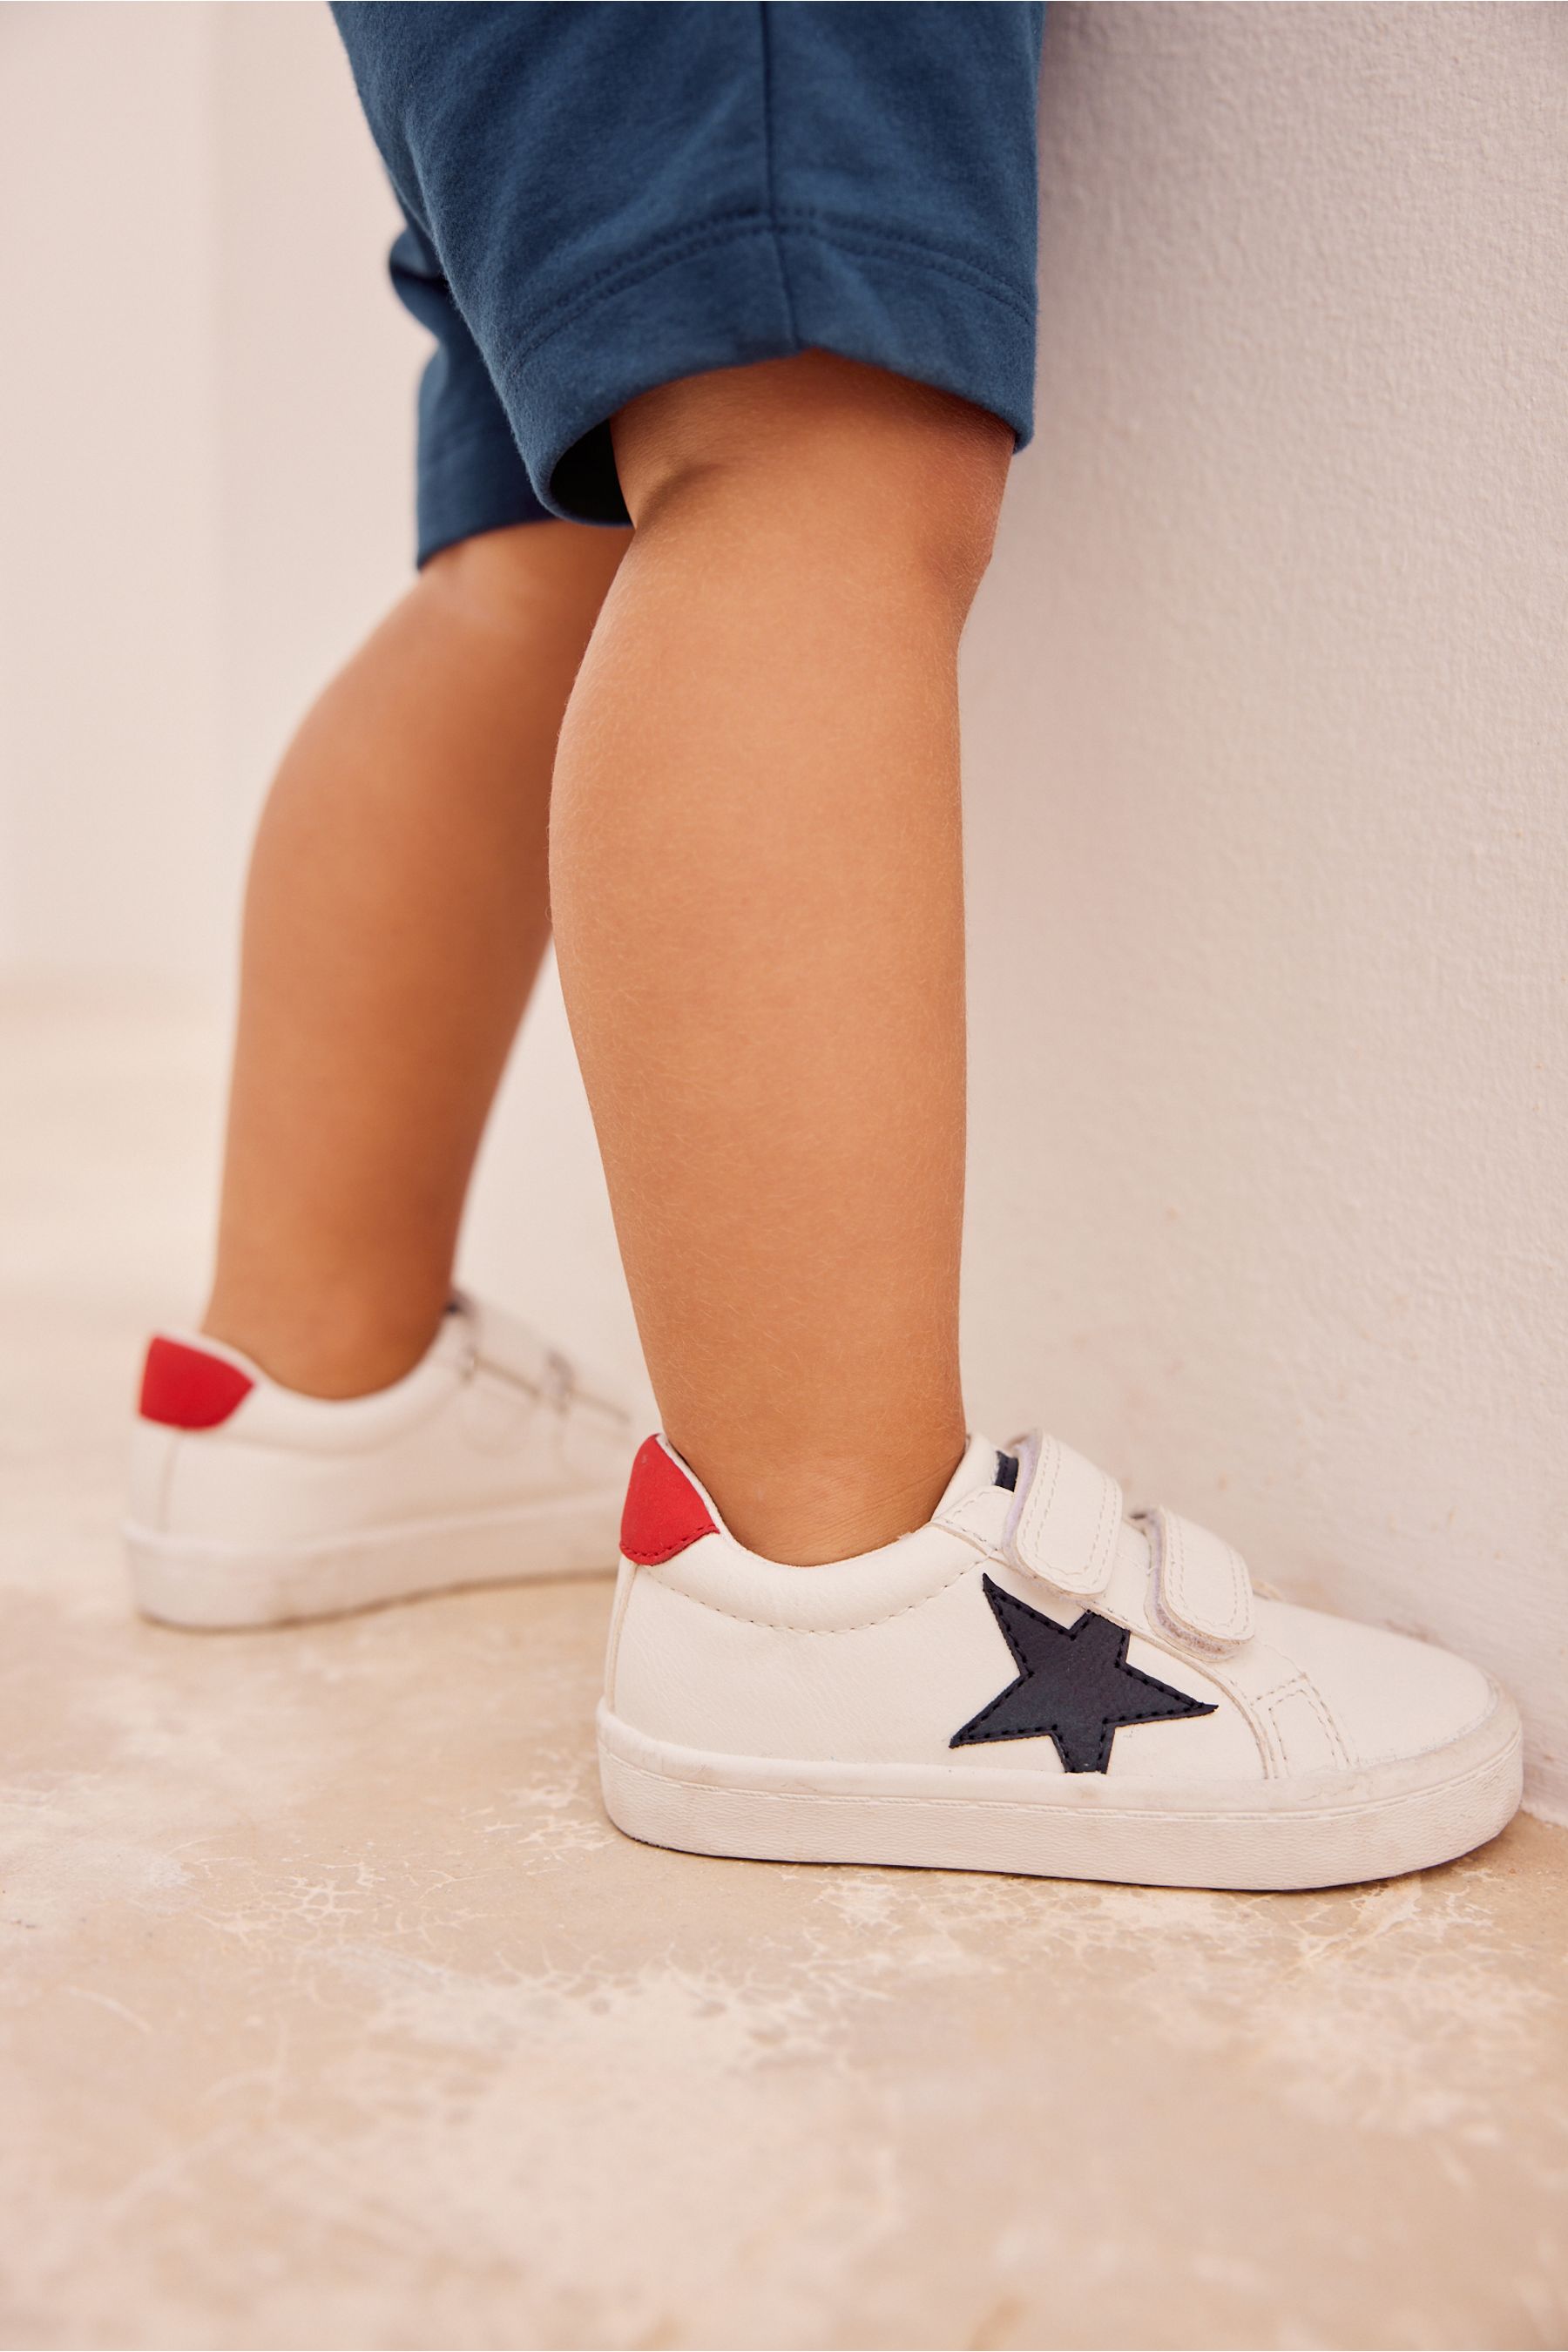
column 184, row 1388
column 664, row 1511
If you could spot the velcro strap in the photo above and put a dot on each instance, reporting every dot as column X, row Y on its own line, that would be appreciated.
column 1065, row 1517
column 502, row 1344
column 1201, row 1592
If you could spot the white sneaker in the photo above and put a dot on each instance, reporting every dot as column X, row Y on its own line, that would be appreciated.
column 1032, row 1683
column 252, row 1504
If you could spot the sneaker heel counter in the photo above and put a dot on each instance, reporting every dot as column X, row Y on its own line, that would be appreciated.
column 189, row 1394
column 664, row 1511
column 625, row 1578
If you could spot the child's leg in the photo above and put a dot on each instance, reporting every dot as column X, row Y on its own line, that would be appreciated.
column 757, row 887
column 396, row 914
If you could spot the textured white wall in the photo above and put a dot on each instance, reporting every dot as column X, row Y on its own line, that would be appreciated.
column 1269, row 792
column 1268, row 729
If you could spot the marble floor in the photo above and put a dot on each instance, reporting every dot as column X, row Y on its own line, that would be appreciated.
column 334, row 2014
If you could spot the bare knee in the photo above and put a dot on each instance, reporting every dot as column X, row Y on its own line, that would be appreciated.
column 526, row 574
column 815, row 445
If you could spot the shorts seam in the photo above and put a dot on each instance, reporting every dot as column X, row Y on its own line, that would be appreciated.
column 664, row 253
column 847, row 234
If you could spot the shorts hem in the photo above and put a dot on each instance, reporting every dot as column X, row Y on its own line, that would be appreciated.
column 473, row 482
column 741, row 287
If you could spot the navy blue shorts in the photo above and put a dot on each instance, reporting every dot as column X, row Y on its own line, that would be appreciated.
column 602, row 198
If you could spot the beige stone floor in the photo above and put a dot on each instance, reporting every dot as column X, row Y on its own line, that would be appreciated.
column 335, row 2015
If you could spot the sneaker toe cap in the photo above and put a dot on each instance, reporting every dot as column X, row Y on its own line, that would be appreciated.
column 1391, row 1697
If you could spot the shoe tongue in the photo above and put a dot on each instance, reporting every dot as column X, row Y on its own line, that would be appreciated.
column 977, row 1469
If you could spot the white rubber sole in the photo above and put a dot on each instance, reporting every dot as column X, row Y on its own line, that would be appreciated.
column 184, row 1580
column 1329, row 1832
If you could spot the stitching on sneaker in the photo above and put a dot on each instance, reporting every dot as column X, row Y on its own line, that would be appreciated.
column 781, row 1624
column 1296, row 1685
column 1174, row 1545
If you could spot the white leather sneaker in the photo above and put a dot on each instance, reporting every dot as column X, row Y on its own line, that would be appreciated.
column 1035, row 1682
column 252, row 1504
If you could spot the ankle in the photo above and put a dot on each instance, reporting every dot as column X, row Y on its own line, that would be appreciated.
column 327, row 1348
column 810, row 1514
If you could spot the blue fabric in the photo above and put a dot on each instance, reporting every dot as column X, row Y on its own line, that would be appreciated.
column 602, row 198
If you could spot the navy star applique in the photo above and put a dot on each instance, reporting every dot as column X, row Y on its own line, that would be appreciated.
column 1074, row 1687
